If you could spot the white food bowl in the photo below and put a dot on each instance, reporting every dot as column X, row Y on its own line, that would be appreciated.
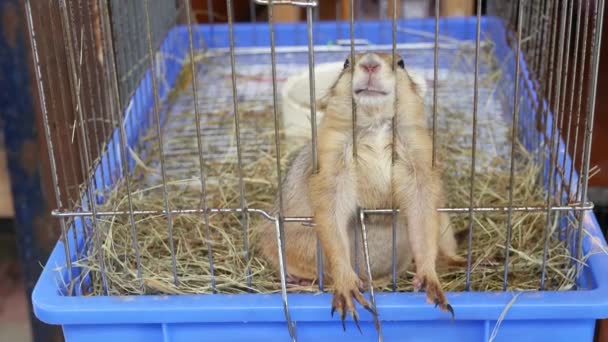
column 295, row 98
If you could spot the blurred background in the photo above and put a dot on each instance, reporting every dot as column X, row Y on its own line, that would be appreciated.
column 26, row 196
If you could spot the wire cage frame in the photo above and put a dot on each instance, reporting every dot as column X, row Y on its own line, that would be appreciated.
column 99, row 63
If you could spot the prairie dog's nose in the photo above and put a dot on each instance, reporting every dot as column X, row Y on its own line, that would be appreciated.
column 370, row 66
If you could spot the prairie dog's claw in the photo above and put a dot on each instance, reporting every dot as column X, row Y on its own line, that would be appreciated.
column 451, row 310
column 434, row 293
column 356, row 319
column 343, row 302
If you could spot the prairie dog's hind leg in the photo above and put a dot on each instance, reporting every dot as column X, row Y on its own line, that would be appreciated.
column 300, row 241
column 448, row 246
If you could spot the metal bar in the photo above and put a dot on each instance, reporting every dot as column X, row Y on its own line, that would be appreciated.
column 461, row 210
column 474, row 146
column 87, row 162
column 88, row 74
column 562, row 107
column 361, row 43
column 597, row 41
column 80, row 48
column 113, row 79
column 100, row 97
column 55, row 109
column 313, row 123
column 552, row 11
column 64, row 116
column 580, row 95
column 513, row 138
column 356, row 249
column 542, row 72
column 279, row 223
column 393, row 150
column 382, row 9
column 574, row 85
column 562, row 99
column 338, row 17
column 310, row 3
column 47, row 130
column 435, row 74
column 160, row 142
column 201, row 160
column 237, row 128
column 252, row 11
column 369, row 272
column 352, row 75
column 539, row 24
column 211, row 20
column 554, row 145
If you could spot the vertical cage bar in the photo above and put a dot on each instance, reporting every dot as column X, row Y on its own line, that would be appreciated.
column 597, row 41
column 159, row 132
column 252, row 11
column 199, row 142
column 122, row 135
column 572, row 98
column 513, row 139
column 554, row 144
column 237, row 132
column 47, row 131
column 562, row 107
column 369, row 272
column 56, row 109
column 88, row 74
column 393, row 150
column 352, row 75
column 87, row 162
column 474, row 146
column 547, row 74
column 93, row 9
column 279, row 221
column 65, row 119
column 313, row 122
column 278, row 231
column 580, row 96
column 79, row 77
column 435, row 74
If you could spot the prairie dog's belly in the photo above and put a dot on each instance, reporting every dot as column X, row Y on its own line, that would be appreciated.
column 374, row 167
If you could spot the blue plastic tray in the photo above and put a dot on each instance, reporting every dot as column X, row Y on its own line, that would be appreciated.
column 534, row 316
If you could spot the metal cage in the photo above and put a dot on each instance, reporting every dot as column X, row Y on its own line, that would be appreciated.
column 101, row 69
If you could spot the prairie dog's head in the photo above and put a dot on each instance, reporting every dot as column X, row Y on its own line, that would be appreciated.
column 373, row 83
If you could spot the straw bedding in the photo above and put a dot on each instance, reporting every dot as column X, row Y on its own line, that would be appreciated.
column 193, row 240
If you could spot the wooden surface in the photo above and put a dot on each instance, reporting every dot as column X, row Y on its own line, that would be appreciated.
column 599, row 152
column 6, row 199
column 457, row 8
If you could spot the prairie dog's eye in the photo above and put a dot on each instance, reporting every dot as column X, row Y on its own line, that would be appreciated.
column 346, row 63
column 401, row 64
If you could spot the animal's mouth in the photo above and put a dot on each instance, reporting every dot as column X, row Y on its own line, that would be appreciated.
column 370, row 92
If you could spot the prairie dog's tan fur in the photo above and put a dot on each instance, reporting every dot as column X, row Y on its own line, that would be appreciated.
column 343, row 184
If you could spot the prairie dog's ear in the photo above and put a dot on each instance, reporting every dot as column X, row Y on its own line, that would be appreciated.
column 417, row 77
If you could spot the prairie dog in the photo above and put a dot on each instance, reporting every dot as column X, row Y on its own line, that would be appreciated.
column 343, row 184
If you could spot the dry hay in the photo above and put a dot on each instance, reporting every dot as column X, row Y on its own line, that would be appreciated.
column 259, row 179
column 226, row 235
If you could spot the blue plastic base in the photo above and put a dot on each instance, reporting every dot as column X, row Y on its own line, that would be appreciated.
column 534, row 316
column 413, row 331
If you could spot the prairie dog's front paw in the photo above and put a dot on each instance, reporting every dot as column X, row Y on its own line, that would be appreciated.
column 434, row 293
column 347, row 287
